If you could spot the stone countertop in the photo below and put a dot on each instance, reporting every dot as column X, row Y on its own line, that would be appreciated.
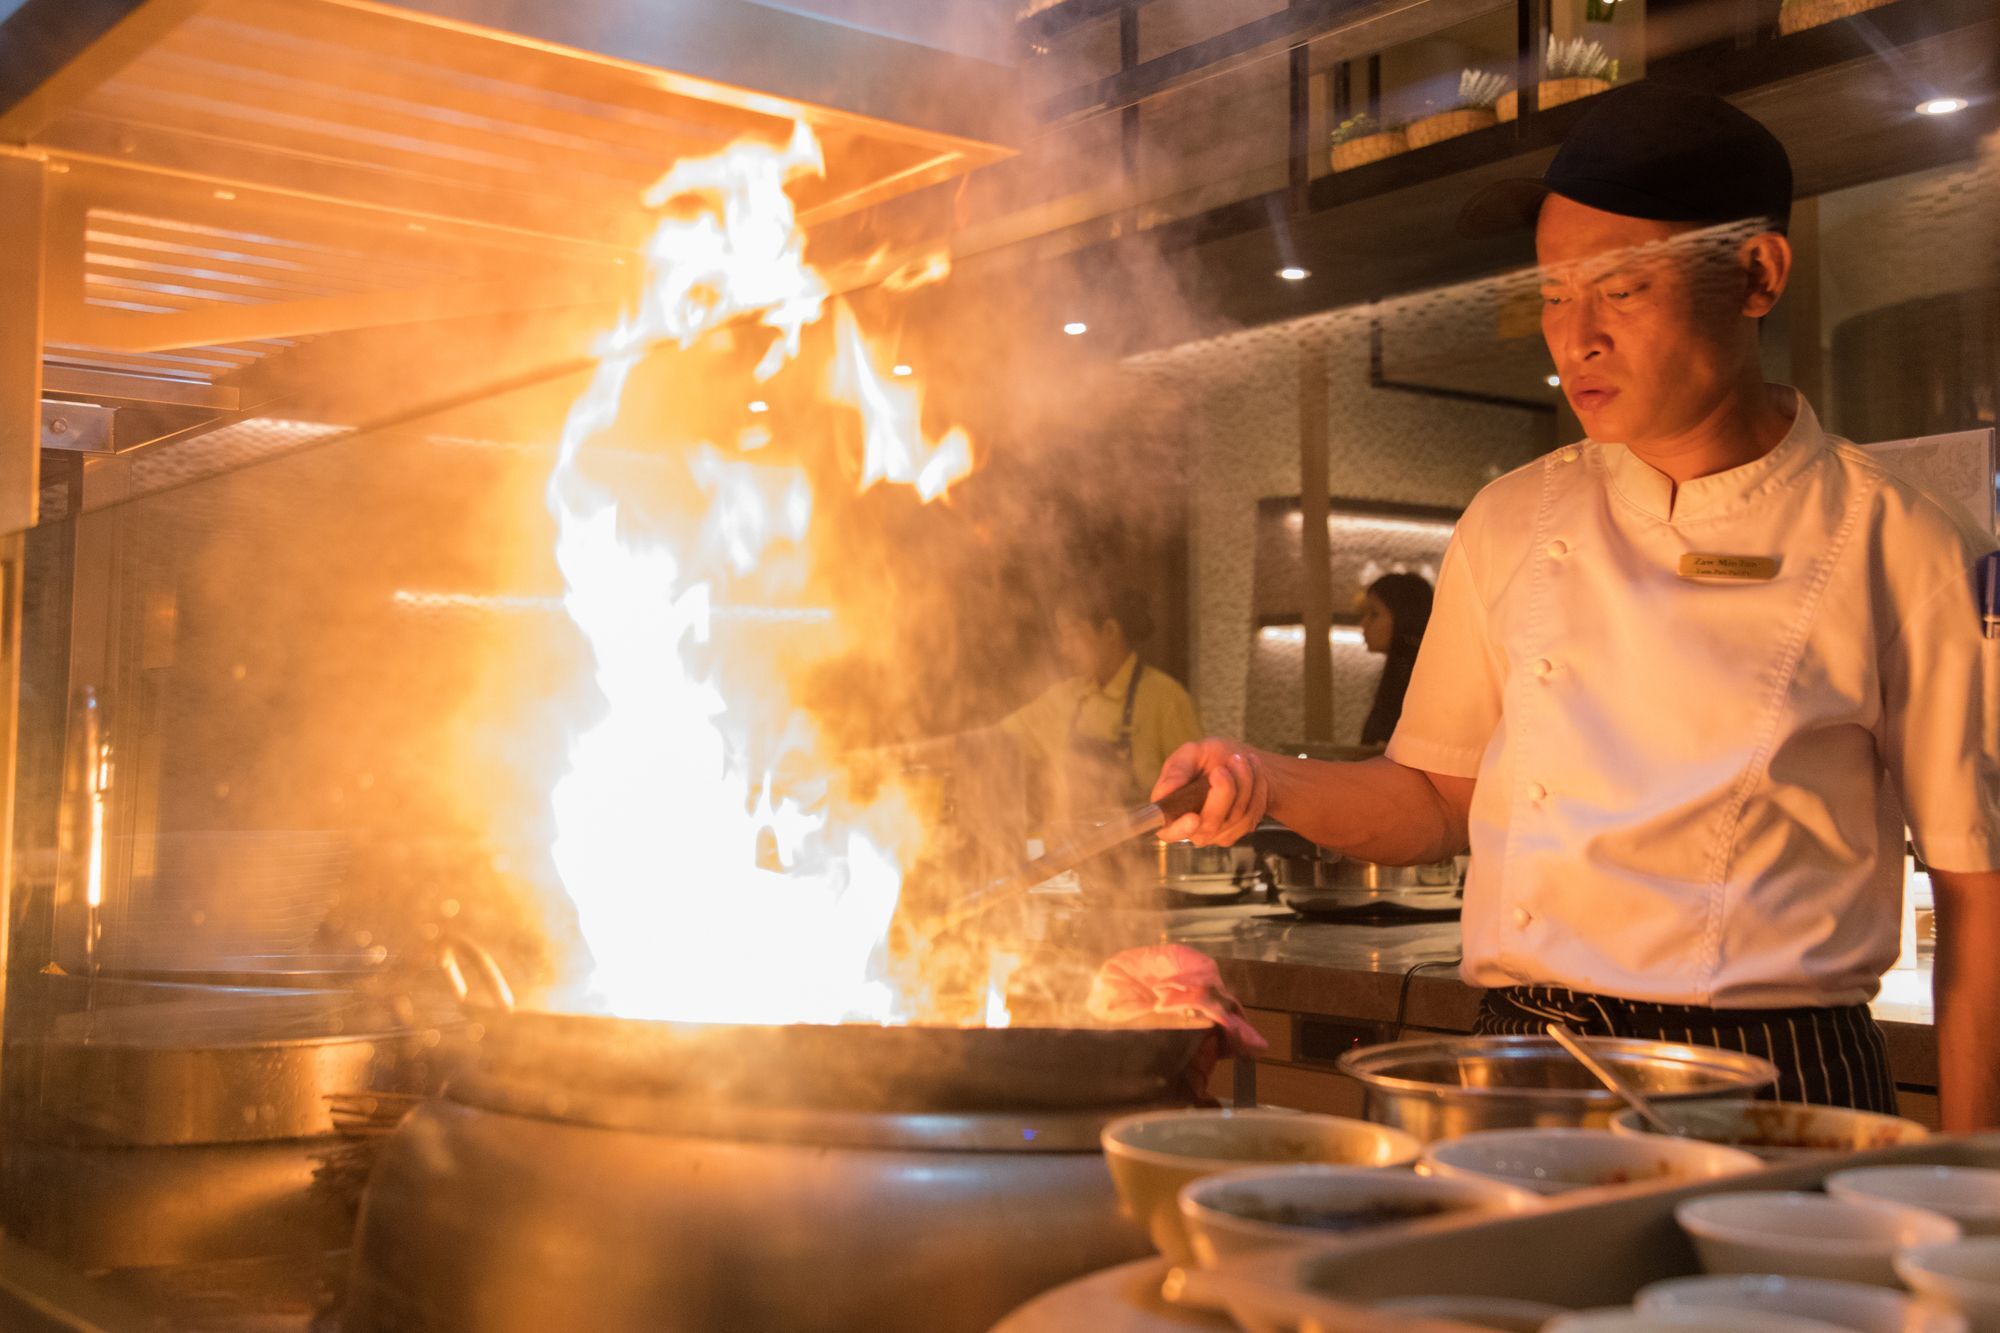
column 1274, row 959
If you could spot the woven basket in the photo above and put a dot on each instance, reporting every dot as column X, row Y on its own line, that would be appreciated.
column 1448, row 125
column 1369, row 148
column 1551, row 92
column 1798, row 15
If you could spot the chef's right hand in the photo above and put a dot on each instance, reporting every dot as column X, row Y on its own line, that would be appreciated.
column 1238, row 792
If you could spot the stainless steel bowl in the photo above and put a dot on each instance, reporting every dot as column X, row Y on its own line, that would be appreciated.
column 1296, row 874
column 1446, row 1086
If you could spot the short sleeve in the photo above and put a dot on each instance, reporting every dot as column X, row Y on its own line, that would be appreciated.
column 1941, row 727
column 1453, row 703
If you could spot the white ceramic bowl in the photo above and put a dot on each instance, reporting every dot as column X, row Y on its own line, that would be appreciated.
column 1779, row 1131
column 1152, row 1156
column 1849, row 1305
column 1623, row 1319
column 1806, row 1235
column 1238, row 1211
column 1968, row 1195
column 1490, row 1312
column 1963, row 1274
column 1557, row 1161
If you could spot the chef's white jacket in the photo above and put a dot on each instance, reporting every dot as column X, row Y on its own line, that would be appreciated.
column 1694, row 791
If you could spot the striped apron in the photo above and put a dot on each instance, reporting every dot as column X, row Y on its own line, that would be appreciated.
column 1826, row 1056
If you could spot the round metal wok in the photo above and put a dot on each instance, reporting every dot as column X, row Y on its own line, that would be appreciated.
column 830, row 1066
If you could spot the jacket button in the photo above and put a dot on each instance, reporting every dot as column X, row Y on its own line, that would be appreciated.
column 1571, row 453
column 1558, row 549
column 1522, row 917
column 1542, row 666
column 1537, row 792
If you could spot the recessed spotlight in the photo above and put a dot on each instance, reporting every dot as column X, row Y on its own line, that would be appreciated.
column 1941, row 106
column 1555, row 381
column 901, row 371
column 1076, row 326
column 760, row 405
column 1293, row 273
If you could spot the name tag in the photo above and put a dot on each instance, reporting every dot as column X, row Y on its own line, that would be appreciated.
column 1736, row 567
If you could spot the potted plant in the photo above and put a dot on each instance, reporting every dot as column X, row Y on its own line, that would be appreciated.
column 1359, row 140
column 1798, row 15
column 1478, row 90
column 1572, row 69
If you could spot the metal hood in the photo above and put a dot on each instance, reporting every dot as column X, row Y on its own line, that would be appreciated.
column 188, row 188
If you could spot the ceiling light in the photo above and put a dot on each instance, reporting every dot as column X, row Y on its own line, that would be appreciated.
column 1293, row 273
column 1075, row 327
column 901, row 371
column 760, row 406
column 1555, row 381
column 1941, row 106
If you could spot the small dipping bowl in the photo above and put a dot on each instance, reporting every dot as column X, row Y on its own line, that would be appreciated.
column 1152, row 1156
column 1558, row 1161
column 1779, row 1131
column 1623, row 1319
column 1240, row 1211
column 1964, row 1275
column 1797, row 1234
column 1968, row 1195
column 1849, row 1305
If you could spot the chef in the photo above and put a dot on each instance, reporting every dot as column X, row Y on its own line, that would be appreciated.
column 1688, row 680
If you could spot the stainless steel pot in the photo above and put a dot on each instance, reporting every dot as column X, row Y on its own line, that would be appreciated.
column 212, row 1065
column 1325, row 883
column 1311, row 873
column 655, row 1178
column 1446, row 1086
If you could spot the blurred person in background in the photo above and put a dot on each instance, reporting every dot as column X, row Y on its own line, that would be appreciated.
column 1394, row 612
column 1102, row 732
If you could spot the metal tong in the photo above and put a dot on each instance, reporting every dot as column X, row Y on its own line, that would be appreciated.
column 1074, row 851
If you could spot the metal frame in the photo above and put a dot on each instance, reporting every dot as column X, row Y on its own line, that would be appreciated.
column 21, row 280
column 217, row 178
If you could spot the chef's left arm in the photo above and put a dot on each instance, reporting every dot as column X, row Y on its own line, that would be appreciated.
column 1965, row 986
column 1941, row 744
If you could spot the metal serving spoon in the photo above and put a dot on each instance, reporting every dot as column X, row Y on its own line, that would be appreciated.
column 1570, row 1042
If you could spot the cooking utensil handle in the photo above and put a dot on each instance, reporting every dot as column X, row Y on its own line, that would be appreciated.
column 1111, row 833
column 1184, row 801
column 455, row 945
column 1570, row 1042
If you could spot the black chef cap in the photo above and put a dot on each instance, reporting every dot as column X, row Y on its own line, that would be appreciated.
column 1648, row 150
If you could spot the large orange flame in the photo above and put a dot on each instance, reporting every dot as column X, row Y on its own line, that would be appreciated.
column 703, row 892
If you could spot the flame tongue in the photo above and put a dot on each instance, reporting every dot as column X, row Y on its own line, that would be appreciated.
column 702, row 891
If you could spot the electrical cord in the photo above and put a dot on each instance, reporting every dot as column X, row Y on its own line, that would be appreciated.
column 1403, row 992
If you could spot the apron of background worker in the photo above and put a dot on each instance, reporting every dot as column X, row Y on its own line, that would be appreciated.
column 1096, row 778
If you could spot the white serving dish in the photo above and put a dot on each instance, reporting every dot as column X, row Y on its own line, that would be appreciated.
column 1780, row 1131
column 1620, row 1319
column 1152, row 1156
column 1964, row 1274
column 1968, row 1195
column 1232, row 1213
column 1850, row 1305
column 1806, row 1235
column 1560, row 1161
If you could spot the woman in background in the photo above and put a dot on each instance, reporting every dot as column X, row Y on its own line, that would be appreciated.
column 1394, row 612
